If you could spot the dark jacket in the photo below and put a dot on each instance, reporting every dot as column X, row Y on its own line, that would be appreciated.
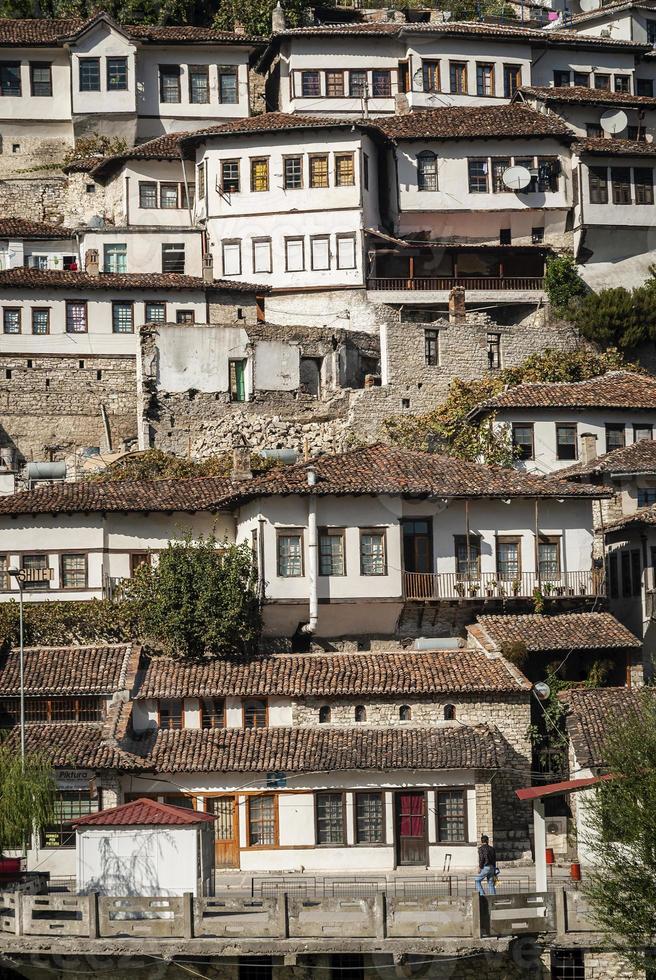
column 486, row 856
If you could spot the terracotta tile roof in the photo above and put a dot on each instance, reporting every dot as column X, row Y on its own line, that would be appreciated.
column 611, row 8
column 45, row 32
column 330, row 675
column 593, row 713
column 275, row 122
column 617, row 389
column 145, row 813
column 579, row 631
column 54, row 32
column 321, row 749
column 389, row 470
column 639, row 457
column 185, row 34
column 68, row 670
column 641, row 516
column 54, row 279
column 90, row 496
column 83, row 165
column 82, row 745
column 22, row 228
column 582, row 95
column 615, row 148
column 161, row 148
column 473, row 122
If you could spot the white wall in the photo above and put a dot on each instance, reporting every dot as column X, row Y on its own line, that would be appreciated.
column 144, row 249
column 137, row 860
column 610, row 214
column 103, row 42
column 42, row 109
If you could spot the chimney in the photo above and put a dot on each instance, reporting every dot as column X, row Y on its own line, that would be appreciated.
column 92, row 262
column 238, row 28
column 278, row 21
column 457, row 307
column 208, row 267
column 588, row 448
column 241, row 464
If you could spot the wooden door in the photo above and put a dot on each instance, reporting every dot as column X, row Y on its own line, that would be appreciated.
column 226, row 830
column 417, row 545
column 410, row 828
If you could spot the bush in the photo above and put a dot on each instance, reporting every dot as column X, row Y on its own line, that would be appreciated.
column 619, row 317
column 153, row 464
column 563, row 284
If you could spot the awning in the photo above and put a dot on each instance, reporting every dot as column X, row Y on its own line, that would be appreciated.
column 460, row 246
column 555, row 789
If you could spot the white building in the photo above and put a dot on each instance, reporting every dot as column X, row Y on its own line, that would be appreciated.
column 631, row 573
column 36, row 245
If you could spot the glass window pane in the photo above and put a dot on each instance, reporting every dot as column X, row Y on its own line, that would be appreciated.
column 169, row 83
column 40, row 79
column 168, row 195
column 173, row 258
column 116, row 258
column 369, row 818
column 147, row 195
column 199, row 84
column 89, row 75
column 76, row 317
column 290, row 557
column 228, row 88
column 344, row 170
column 261, row 821
column 74, row 571
column 11, row 320
column 372, row 553
column 451, row 822
column 117, row 74
column 331, row 553
column 330, row 818
column 122, row 318
column 358, row 84
column 319, row 171
column 155, row 312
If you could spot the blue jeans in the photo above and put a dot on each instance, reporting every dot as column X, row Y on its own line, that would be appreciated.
column 486, row 873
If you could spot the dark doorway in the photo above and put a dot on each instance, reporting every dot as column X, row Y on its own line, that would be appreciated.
column 410, row 828
column 417, row 544
column 310, row 376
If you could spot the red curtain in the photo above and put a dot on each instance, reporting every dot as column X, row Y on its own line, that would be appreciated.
column 411, row 808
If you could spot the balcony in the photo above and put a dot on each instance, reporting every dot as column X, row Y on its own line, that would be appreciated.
column 429, row 586
column 444, row 284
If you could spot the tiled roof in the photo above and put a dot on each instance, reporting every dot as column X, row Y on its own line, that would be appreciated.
column 68, row 670
column 54, row 279
column 615, row 148
column 82, row 745
column 22, row 228
column 91, row 496
column 321, row 749
column 45, row 32
column 331, row 675
column 617, row 389
column 639, row 457
column 144, row 813
column 611, row 8
column 471, row 122
column 583, row 95
column 389, row 470
column 275, row 122
column 161, row 148
column 184, row 34
column 83, row 165
column 48, row 32
column 593, row 713
column 578, row 631
column 639, row 517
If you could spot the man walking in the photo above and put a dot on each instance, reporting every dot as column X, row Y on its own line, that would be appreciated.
column 487, row 864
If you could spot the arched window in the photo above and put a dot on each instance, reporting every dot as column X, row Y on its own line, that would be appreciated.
column 405, row 713
column 449, row 712
column 325, row 714
column 360, row 712
column 426, row 171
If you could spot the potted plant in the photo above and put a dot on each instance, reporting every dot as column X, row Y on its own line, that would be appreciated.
column 460, row 589
column 473, row 591
column 516, row 586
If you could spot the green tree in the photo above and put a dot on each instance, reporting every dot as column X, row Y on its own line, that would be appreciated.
column 621, row 829
column 199, row 599
column 563, row 284
column 255, row 16
column 154, row 464
column 618, row 316
column 27, row 795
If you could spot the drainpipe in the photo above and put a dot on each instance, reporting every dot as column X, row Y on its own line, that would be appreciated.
column 313, row 564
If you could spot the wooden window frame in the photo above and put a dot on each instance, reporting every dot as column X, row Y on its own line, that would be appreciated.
column 170, row 70
column 330, row 532
column 5, row 577
column 150, row 184
column 313, row 267
column 182, row 714
column 199, row 70
column 523, row 425
column 388, row 92
column 185, row 316
column 311, row 182
column 380, row 793
column 299, row 75
column 252, row 163
column 475, row 539
column 643, row 190
column 464, row 90
column 170, row 250
column 288, row 158
column 295, row 238
column 379, row 531
column 231, row 241
column 551, row 539
column 88, row 61
column 635, row 426
column 344, row 156
column 73, row 554
column 154, row 302
column 260, row 241
column 350, row 236
column 431, row 343
column 286, row 533
column 480, row 66
column 567, row 425
column 451, row 789
column 330, row 792
column 125, row 303
column 620, row 182
column 232, row 161
column 211, row 700
column 598, row 190
column 515, row 539
column 424, row 180
column 68, row 834
column 227, row 71
column 126, row 65
column 470, row 177
column 42, row 586
column 509, row 90
column 244, row 702
column 40, row 65
column 12, row 309
column 276, row 829
column 334, row 72
column 431, row 69
column 358, row 95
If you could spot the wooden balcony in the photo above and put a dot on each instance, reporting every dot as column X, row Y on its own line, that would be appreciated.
column 428, row 586
column 446, row 283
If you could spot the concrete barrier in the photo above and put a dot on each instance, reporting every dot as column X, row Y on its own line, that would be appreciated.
column 342, row 918
column 48, row 915
column 155, row 917
column 253, row 918
column 517, row 914
column 8, row 911
column 429, row 918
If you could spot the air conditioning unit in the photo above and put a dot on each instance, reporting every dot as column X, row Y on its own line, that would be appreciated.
column 556, row 828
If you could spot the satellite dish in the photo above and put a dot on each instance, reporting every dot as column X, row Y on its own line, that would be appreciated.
column 614, row 121
column 587, row 6
column 516, row 178
column 542, row 690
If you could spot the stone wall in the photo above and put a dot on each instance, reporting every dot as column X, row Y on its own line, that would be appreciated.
column 51, row 196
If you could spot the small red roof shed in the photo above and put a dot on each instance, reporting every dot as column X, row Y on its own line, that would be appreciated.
column 144, row 813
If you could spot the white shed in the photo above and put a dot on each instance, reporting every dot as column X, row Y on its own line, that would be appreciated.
column 145, row 848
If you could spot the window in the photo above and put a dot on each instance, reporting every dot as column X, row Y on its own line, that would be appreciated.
column 260, row 175
column 484, row 79
column 622, row 83
column 451, row 815
column 615, row 436
column 645, row 86
column 168, row 196
column 548, row 171
column 199, row 84
column 358, row 84
column 636, row 573
column 642, row 432
column 147, row 194
column 123, row 317
column 212, row 713
column 73, row 571
column 505, row 236
column 430, row 73
column 228, row 86
column 537, row 236
column 468, row 562
column 549, row 557
column 38, row 565
column 426, row 171
column 566, row 442
column 369, row 818
column 171, row 715
column 567, row 964
column 40, row 79
column 5, row 580
column 499, row 167
column 310, row 84
column 68, row 805
column 173, row 257
column 137, row 560
column 169, row 83
column 365, row 171
column 325, row 714
column 522, row 440
column 562, row 78
column 360, row 713
column 334, row 84
column 319, row 171
column 512, row 80
column 620, row 179
column 646, row 497
column 613, row 576
column 262, row 822
column 643, row 179
column 373, row 559
column 477, row 176
column 231, row 258
column 651, row 31
column 155, row 312
column 329, row 809
column 346, row 252
column 331, row 552
column 494, row 351
column 293, row 173
column 320, row 252
column 115, row 258
column 449, row 712
column 117, row 74
column 582, row 79
column 602, row 82
column 184, row 316
column 458, row 77
column 200, row 170
column 262, row 261
column 230, row 176
column 290, row 554
column 294, row 255
column 431, row 348
column 508, row 559
column 598, row 185
column 237, row 379
column 89, row 74
column 40, row 320
column 594, row 130
column 381, row 84
column 344, row 170
column 11, row 319
column 405, row 713
column 76, row 316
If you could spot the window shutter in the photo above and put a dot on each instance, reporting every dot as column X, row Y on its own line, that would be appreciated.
column 346, row 253
column 295, row 259
column 231, row 258
column 262, row 256
column 320, row 253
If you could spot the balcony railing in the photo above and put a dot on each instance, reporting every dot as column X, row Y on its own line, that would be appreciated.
column 445, row 283
column 488, row 585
